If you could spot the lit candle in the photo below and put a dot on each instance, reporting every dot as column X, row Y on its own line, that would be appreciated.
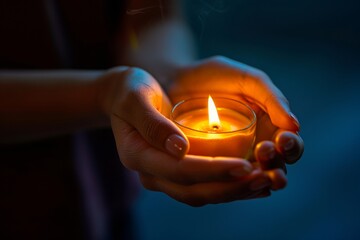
column 225, row 130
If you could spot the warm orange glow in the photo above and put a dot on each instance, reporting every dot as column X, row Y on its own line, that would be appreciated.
column 214, row 121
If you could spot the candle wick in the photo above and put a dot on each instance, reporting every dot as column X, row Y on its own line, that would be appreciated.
column 215, row 127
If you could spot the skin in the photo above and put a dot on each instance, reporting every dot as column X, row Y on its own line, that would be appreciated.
column 133, row 102
column 199, row 180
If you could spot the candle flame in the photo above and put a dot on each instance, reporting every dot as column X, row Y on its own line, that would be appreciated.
column 214, row 121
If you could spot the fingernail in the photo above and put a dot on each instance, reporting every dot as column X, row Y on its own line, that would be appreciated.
column 260, row 184
column 175, row 145
column 289, row 145
column 295, row 120
column 240, row 171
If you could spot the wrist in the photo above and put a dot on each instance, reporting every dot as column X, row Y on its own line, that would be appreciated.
column 109, row 86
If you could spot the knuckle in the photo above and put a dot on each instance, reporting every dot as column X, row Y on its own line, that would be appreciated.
column 262, row 75
column 139, row 80
column 153, row 127
column 257, row 77
column 218, row 58
column 134, row 71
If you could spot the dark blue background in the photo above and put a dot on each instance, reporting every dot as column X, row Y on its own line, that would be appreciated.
column 311, row 51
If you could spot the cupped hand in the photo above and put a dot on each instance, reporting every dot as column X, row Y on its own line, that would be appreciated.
column 149, row 143
column 277, row 138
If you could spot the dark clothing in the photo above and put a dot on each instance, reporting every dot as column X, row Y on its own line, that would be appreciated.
column 58, row 34
column 39, row 191
column 59, row 188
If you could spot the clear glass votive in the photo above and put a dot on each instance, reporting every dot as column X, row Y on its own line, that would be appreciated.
column 235, row 135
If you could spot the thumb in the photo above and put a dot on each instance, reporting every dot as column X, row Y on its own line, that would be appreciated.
column 146, row 110
column 161, row 133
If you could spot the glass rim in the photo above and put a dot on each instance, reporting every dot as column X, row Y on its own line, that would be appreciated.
column 252, row 120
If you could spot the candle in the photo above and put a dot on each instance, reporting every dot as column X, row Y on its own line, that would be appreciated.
column 225, row 130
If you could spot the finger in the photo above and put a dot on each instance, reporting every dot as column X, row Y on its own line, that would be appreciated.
column 137, row 154
column 278, row 179
column 260, row 88
column 268, row 158
column 197, row 169
column 205, row 169
column 264, row 127
column 259, row 194
column 214, row 192
column 256, row 85
column 290, row 145
column 142, row 107
column 241, row 79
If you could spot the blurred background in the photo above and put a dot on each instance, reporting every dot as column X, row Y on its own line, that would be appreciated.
column 310, row 49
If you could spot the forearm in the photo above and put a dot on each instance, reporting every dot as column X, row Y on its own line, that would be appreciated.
column 35, row 104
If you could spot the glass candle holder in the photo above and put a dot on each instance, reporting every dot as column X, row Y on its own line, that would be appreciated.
column 233, row 137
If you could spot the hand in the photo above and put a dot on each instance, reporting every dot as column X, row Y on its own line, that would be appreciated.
column 277, row 139
column 152, row 145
